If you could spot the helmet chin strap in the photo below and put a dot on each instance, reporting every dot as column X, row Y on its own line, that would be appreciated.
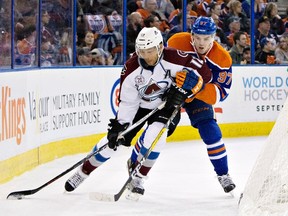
column 159, row 53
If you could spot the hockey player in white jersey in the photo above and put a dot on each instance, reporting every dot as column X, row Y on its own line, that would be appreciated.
column 147, row 76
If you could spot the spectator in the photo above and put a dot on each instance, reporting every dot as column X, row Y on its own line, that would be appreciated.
column 215, row 8
column 203, row 7
column 246, row 7
column 164, row 25
column 266, row 53
column 25, row 53
column 5, row 48
column 263, row 30
column 175, row 3
column 246, row 57
column 80, row 12
column 60, row 14
column 135, row 24
column 64, row 56
column 224, row 10
column 191, row 15
column 98, row 56
column 259, row 7
column 59, row 24
column 190, row 20
column 48, row 42
column 132, row 6
column 84, row 56
column 285, row 20
column 271, row 11
column 165, row 7
column 88, row 7
column 235, row 9
column 148, row 7
column 234, row 27
column 281, row 52
column 151, row 6
column 177, row 28
column 109, row 59
column 215, row 11
column 26, row 40
column 286, row 27
column 172, row 18
column 104, row 7
column 154, row 21
column 220, row 36
column 236, row 51
column 89, row 40
column 151, row 21
column 111, row 42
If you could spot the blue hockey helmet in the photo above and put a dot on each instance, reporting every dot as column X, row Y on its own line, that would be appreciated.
column 204, row 26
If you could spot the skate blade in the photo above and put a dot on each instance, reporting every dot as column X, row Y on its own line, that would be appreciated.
column 132, row 196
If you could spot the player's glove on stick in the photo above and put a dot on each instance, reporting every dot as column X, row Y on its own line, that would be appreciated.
column 175, row 96
column 189, row 80
column 115, row 128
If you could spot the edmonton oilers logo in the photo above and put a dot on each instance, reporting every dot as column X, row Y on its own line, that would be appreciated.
column 114, row 95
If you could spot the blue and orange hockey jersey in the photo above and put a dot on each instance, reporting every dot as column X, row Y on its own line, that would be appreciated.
column 217, row 59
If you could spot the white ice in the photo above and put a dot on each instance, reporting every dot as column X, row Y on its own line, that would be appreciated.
column 181, row 183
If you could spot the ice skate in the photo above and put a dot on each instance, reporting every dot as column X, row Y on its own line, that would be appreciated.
column 135, row 188
column 227, row 183
column 75, row 180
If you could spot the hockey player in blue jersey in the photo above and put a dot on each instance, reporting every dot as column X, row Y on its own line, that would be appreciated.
column 201, row 44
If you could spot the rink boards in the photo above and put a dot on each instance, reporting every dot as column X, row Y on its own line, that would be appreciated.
column 49, row 113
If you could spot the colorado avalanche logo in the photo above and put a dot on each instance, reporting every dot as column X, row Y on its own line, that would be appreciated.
column 153, row 90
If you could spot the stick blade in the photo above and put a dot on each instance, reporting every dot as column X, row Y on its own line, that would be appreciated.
column 102, row 197
column 15, row 196
column 21, row 194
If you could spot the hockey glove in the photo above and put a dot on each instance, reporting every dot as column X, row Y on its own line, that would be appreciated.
column 175, row 96
column 113, row 134
column 189, row 80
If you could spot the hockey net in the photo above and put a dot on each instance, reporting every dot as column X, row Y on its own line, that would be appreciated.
column 266, row 191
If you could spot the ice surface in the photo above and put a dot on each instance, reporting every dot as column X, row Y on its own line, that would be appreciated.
column 181, row 183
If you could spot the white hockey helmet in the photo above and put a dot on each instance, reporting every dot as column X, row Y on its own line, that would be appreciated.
column 149, row 37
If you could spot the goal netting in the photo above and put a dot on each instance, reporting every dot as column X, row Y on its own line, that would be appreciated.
column 266, row 191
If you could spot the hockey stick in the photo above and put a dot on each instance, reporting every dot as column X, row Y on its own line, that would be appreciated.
column 115, row 197
column 22, row 194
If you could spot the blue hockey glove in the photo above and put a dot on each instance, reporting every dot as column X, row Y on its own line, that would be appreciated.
column 189, row 80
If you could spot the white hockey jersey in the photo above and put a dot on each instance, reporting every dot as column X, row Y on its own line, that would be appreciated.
column 144, row 86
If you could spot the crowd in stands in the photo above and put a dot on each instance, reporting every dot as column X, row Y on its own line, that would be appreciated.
column 99, row 39
column 232, row 18
column 99, row 28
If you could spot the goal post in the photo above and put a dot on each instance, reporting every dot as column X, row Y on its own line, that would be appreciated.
column 266, row 190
